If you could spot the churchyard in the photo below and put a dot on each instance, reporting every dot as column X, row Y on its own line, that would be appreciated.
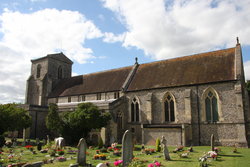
column 34, row 151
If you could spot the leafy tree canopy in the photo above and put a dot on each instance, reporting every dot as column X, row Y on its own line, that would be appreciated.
column 75, row 124
column 248, row 86
column 13, row 118
column 53, row 121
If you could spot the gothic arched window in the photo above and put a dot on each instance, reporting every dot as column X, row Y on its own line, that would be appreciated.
column 169, row 109
column 59, row 71
column 211, row 107
column 135, row 116
column 38, row 71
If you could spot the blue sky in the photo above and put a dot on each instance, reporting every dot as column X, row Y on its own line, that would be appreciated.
column 105, row 34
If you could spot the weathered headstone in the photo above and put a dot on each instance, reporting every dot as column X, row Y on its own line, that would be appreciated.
column 165, row 148
column 81, row 155
column 44, row 142
column 24, row 137
column 212, row 142
column 48, row 139
column 37, row 141
column 127, row 148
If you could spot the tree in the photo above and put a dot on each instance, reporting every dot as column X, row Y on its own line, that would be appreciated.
column 80, row 122
column 53, row 121
column 248, row 86
column 157, row 145
column 13, row 118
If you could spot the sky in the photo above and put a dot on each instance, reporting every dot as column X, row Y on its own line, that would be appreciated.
column 100, row 35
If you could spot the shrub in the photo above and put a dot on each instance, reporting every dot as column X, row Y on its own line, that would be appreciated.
column 157, row 145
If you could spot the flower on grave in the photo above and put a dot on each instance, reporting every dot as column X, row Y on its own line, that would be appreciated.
column 110, row 148
column 100, row 156
column 149, row 150
column 97, row 151
column 117, row 152
column 155, row 164
column 61, row 159
column 118, row 162
column 114, row 145
column 28, row 146
column 180, row 148
column 151, row 165
column 10, row 156
column 60, row 152
column 212, row 154
column 135, row 158
column 72, row 151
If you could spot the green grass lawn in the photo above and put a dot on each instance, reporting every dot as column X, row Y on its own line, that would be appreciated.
column 226, row 157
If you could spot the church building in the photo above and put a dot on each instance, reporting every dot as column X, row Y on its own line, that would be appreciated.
column 186, row 99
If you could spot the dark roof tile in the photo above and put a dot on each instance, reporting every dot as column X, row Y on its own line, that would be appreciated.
column 106, row 81
column 196, row 69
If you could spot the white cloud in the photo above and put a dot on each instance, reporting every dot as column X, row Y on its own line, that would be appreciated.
column 29, row 36
column 166, row 29
column 112, row 38
column 247, row 70
column 38, row 0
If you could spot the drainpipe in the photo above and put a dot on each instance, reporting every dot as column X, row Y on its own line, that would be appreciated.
column 198, row 110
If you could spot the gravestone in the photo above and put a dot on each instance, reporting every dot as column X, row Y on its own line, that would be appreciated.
column 127, row 148
column 165, row 148
column 81, row 155
column 48, row 139
column 212, row 142
column 37, row 141
column 44, row 142
column 24, row 137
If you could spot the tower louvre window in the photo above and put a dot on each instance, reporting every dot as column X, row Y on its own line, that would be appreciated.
column 38, row 71
column 59, row 72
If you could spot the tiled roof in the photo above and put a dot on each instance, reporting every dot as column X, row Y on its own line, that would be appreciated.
column 201, row 68
column 106, row 81
column 196, row 69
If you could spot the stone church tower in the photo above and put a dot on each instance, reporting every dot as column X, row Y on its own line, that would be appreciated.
column 46, row 72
